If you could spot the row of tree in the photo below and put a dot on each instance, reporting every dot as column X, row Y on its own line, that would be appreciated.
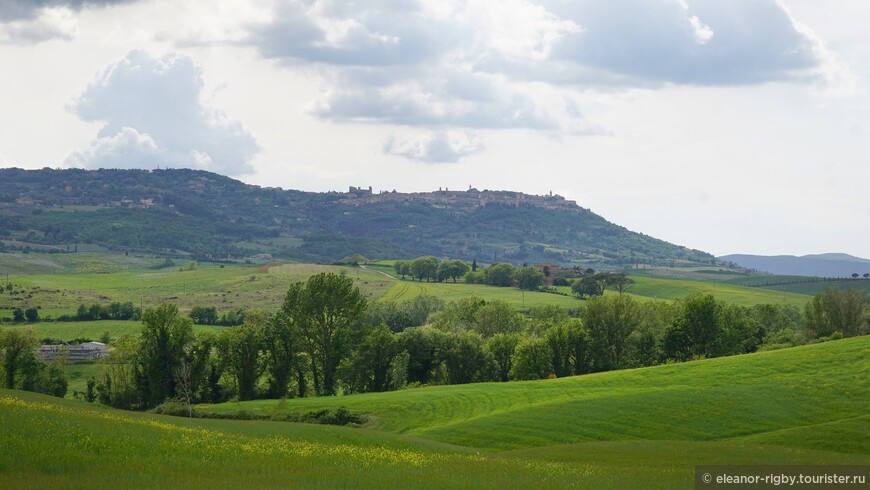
column 499, row 274
column 327, row 339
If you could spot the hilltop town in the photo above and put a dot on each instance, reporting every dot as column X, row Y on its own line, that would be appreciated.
column 471, row 199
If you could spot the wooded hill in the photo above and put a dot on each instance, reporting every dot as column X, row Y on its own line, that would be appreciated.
column 177, row 211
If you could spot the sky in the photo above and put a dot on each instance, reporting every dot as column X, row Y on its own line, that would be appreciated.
column 730, row 127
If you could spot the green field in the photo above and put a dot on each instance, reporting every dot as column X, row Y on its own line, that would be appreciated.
column 405, row 290
column 715, row 399
column 797, row 284
column 227, row 288
column 621, row 429
column 68, row 331
column 660, row 288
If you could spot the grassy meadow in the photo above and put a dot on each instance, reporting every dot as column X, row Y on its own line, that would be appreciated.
column 826, row 386
column 663, row 288
column 806, row 405
column 227, row 288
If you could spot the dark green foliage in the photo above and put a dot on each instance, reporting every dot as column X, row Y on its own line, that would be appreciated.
column 368, row 368
column 204, row 315
column 31, row 315
column 500, row 348
column 113, row 311
column 166, row 335
column 399, row 316
column 835, row 310
column 240, row 349
column 496, row 317
column 17, row 315
column 529, row 278
column 325, row 311
column 16, row 349
column 694, row 334
column 23, row 371
column 339, row 416
column 501, row 274
column 424, row 268
column 569, row 344
column 281, row 347
column 532, row 360
column 610, row 320
column 421, row 343
column 464, row 357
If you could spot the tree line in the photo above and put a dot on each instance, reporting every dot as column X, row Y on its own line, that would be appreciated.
column 326, row 339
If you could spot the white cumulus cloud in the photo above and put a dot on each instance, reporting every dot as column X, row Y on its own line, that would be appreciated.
column 435, row 146
column 153, row 116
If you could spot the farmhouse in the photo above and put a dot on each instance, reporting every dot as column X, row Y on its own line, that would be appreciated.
column 88, row 351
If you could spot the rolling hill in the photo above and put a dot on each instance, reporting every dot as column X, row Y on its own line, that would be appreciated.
column 805, row 405
column 209, row 216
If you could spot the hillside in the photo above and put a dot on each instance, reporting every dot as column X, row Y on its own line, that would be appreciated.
column 822, row 265
column 813, row 388
column 806, row 405
column 211, row 216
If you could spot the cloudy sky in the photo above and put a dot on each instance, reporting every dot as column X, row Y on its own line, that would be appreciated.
column 735, row 126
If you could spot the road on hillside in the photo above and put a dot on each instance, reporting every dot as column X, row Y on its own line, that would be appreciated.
column 379, row 272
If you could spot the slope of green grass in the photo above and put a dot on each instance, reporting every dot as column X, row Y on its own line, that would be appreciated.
column 227, row 288
column 708, row 400
column 448, row 291
column 67, row 331
column 649, row 427
column 659, row 288
column 50, row 443
column 800, row 284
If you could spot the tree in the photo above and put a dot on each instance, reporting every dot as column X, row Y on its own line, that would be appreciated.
column 241, row 349
column 17, row 315
column 474, row 265
column 569, row 344
column 421, row 344
column 835, row 310
column 532, row 360
column 116, row 382
column 369, row 367
column 586, row 287
column 496, row 317
column 500, row 348
column 694, row 333
column 32, row 315
column 609, row 321
column 458, row 315
column 500, row 274
column 620, row 283
column 165, row 336
column 328, row 307
column 452, row 269
column 464, row 357
column 397, row 378
column 16, row 349
column 402, row 267
column 204, row 315
column 424, row 267
column 280, row 344
column 855, row 275
column 529, row 278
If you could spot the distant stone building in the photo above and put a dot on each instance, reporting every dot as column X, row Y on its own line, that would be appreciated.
column 89, row 351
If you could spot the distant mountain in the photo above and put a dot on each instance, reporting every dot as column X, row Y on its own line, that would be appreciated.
column 176, row 211
column 822, row 265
